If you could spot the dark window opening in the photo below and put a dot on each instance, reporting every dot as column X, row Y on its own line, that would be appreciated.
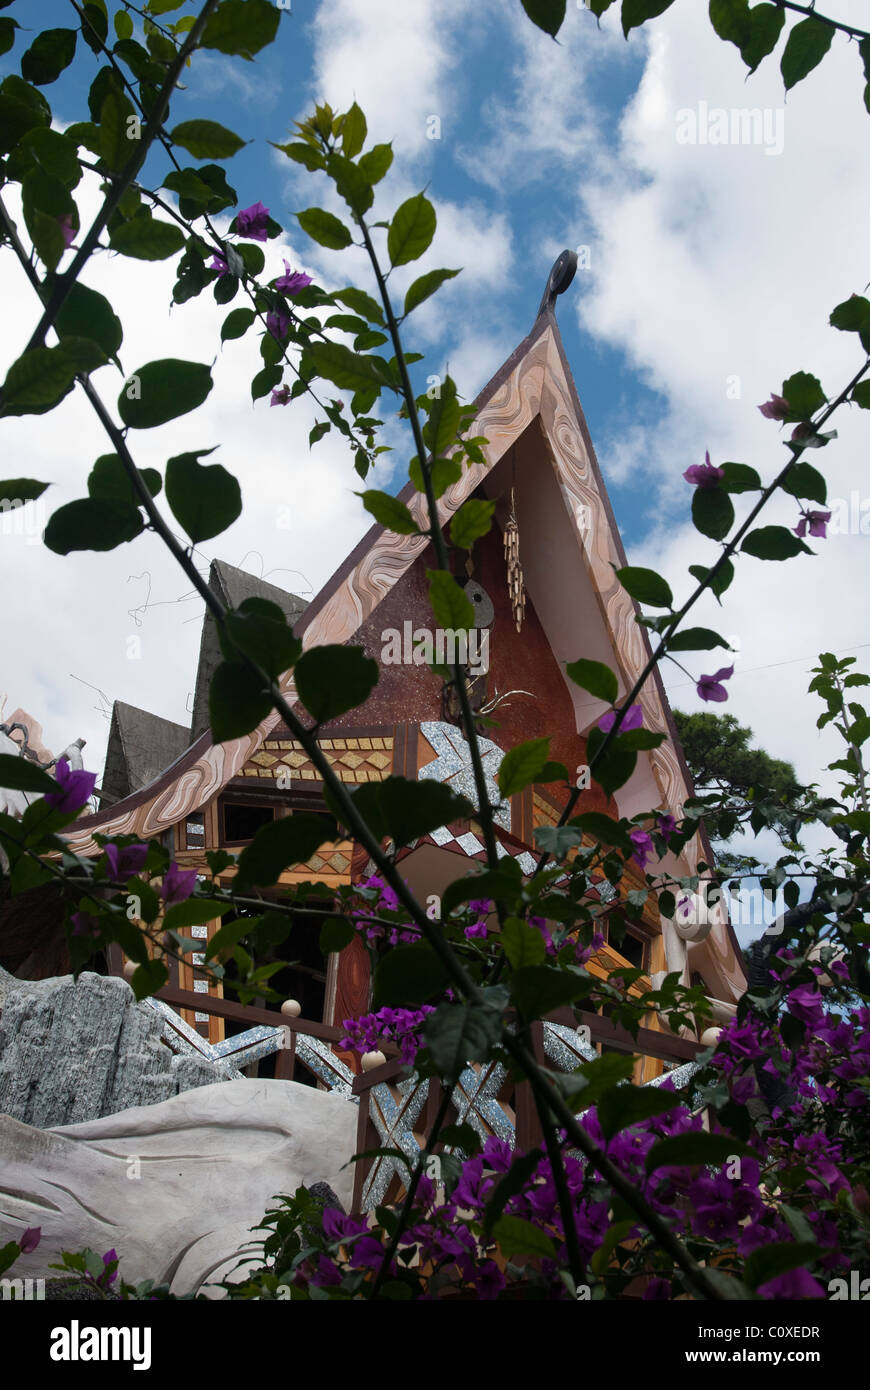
column 303, row 979
column 194, row 830
column 242, row 822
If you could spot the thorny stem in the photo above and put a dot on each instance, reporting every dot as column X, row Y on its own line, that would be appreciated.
column 812, row 13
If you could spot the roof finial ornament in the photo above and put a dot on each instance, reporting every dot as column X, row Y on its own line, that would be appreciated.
column 563, row 272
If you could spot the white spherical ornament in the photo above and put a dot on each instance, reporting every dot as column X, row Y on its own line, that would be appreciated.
column 291, row 1008
column 710, row 1037
column 130, row 968
column 370, row 1060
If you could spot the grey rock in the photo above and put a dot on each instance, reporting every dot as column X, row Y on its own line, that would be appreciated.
column 75, row 1050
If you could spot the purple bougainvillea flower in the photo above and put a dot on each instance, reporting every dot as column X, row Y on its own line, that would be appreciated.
column 776, row 408
column 280, row 395
column 67, row 230
column 75, row 787
column 666, row 826
column 657, row 1290
column 711, row 687
column 30, row 1239
column 178, row 884
column 278, row 324
column 126, row 861
column 633, row 719
column 817, row 522
column 643, row 845
column 218, row 263
column 704, row 474
column 84, row 924
column 795, row 1283
column 292, row 281
column 806, row 1004
column 253, row 222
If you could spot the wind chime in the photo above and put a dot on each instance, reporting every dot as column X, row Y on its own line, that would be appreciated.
column 516, row 587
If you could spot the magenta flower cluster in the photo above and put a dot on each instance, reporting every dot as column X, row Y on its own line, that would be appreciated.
column 401, row 1026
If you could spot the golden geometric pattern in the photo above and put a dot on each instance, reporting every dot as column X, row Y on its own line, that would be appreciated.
column 355, row 759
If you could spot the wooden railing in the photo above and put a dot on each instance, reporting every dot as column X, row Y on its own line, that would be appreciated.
column 514, row 1097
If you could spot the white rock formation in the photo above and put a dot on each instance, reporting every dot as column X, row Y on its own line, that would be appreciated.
column 177, row 1187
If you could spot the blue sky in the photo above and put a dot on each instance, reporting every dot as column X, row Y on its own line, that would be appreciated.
column 714, row 268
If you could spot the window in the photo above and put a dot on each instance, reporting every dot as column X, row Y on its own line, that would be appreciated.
column 194, row 829
column 241, row 822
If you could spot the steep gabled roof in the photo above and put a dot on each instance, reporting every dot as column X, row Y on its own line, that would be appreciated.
column 232, row 586
column 141, row 746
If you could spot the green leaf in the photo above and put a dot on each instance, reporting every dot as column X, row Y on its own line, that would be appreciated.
column 330, row 680
column 522, row 765
column 712, row 512
column 260, row 630
column 236, row 324
column 514, row 1235
column 595, row 677
column 21, row 775
column 361, row 303
column 347, row 370
column 408, row 975
column 38, row 380
column 539, row 989
column 48, row 55
column 16, row 491
column 802, row 480
column 237, row 702
column 851, row 315
column 425, row 286
column 22, row 108
column 279, row 844
column 264, row 381
column 613, row 770
column 457, row 1034
column 375, row 163
column 353, row 132
column 115, row 147
column 411, row 230
column 56, row 153
column 451, row 605
column 636, row 12
column 803, row 391
column 389, row 512
column 773, row 543
column 335, row 935
column 806, row 46
column 720, row 582
column 473, row 520
column 861, row 395
column 148, row 978
column 162, row 391
column 766, row 23
column 695, row 639
column 87, row 314
column 688, row 1150
column 739, row 477
column 7, row 38
column 109, row 479
column 523, row 945
column 193, row 912
column 402, row 810
column 779, row 1257
column 445, row 420
column 123, row 25
column 548, row 15
column 92, row 523
column 730, row 19
column 646, row 586
column 205, row 498
column 324, row 228
column 628, row 1105
column 206, row 139
column 242, row 27
column 146, row 239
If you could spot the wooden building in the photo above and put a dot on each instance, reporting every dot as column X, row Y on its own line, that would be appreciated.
column 165, row 780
